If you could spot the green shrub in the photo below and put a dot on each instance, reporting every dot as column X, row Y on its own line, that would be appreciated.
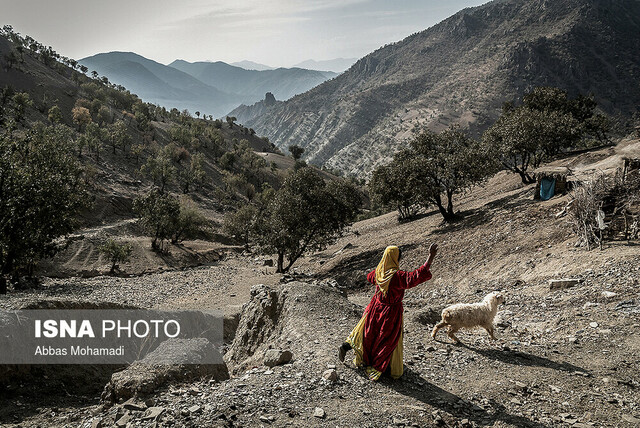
column 116, row 252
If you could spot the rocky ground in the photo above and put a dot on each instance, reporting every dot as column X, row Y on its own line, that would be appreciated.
column 566, row 355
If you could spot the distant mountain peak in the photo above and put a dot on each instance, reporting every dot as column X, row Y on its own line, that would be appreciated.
column 250, row 65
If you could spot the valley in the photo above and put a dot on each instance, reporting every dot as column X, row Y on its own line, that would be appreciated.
column 266, row 195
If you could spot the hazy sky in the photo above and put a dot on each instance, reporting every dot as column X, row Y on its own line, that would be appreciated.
column 272, row 32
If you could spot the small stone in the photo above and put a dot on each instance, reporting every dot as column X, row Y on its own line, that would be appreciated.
column 559, row 284
column 152, row 413
column 593, row 324
column 276, row 357
column 522, row 387
column 265, row 419
column 609, row 294
column 123, row 421
column 194, row 409
column 318, row 412
column 630, row 419
column 131, row 404
column 330, row 375
column 431, row 349
column 571, row 420
column 119, row 413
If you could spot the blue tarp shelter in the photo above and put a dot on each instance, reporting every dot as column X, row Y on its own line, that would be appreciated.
column 547, row 188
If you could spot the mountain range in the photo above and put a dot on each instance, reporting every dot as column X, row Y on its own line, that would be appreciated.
column 252, row 85
column 337, row 65
column 461, row 71
column 213, row 88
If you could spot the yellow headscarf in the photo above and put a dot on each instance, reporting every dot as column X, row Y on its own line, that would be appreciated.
column 387, row 267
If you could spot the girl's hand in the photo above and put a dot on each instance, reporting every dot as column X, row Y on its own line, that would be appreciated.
column 433, row 250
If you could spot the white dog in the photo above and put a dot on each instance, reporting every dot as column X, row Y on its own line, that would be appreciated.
column 469, row 315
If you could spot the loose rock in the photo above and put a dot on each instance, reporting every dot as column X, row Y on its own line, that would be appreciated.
column 560, row 284
column 123, row 421
column 180, row 359
column 131, row 404
column 318, row 412
column 153, row 413
column 276, row 357
column 330, row 375
column 630, row 419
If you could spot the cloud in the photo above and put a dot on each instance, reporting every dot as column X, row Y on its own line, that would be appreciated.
column 273, row 11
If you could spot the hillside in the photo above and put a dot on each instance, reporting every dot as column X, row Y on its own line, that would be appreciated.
column 461, row 71
column 337, row 64
column 284, row 83
column 115, row 171
column 246, row 113
column 564, row 357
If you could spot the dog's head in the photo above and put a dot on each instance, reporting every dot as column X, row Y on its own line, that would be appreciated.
column 496, row 298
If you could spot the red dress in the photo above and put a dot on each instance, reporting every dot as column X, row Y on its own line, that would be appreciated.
column 383, row 324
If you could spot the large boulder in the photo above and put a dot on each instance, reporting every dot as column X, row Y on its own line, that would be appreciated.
column 278, row 318
column 259, row 318
column 174, row 360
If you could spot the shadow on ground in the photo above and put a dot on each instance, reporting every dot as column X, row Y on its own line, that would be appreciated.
column 415, row 386
column 510, row 356
column 40, row 387
column 479, row 216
